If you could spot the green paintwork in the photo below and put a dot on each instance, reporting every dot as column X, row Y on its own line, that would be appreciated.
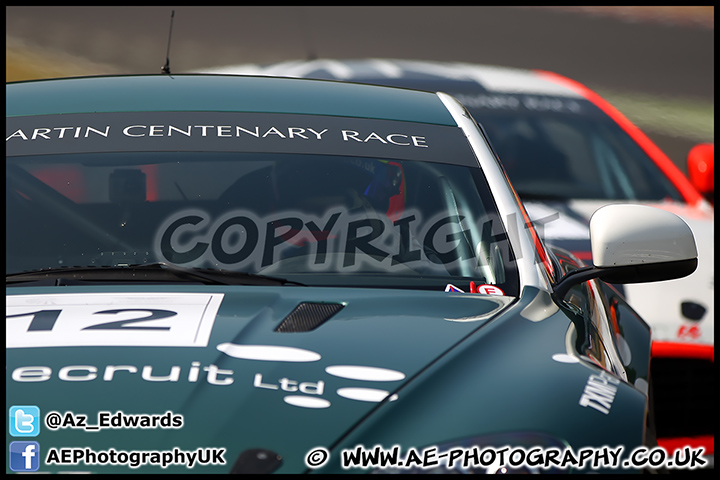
column 502, row 379
column 376, row 328
column 462, row 378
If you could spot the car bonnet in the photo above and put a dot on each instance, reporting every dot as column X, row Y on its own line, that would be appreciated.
column 283, row 369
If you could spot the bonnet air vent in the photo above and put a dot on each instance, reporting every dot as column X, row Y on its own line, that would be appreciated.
column 308, row 316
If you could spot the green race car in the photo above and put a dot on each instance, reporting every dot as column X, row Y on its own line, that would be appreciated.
column 239, row 274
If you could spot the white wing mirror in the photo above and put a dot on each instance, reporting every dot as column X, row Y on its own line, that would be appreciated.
column 635, row 244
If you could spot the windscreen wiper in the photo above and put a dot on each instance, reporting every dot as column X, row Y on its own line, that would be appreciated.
column 146, row 272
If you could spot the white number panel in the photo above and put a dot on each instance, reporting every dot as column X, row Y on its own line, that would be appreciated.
column 111, row 319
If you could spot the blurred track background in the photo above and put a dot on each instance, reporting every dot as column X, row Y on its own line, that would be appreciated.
column 655, row 63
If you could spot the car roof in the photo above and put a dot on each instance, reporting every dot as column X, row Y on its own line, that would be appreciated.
column 222, row 93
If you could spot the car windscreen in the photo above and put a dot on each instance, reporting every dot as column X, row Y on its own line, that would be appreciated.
column 413, row 218
column 567, row 148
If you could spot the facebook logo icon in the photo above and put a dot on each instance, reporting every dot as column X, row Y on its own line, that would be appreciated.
column 24, row 456
column 24, row 421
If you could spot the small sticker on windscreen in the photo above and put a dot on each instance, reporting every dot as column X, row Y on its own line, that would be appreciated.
column 452, row 288
column 486, row 289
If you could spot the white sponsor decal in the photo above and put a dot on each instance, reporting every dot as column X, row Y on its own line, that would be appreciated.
column 365, row 394
column 600, row 392
column 355, row 372
column 216, row 131
column 313, row 389
column 110, row 319
column 268, row 353
column 306, row 402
